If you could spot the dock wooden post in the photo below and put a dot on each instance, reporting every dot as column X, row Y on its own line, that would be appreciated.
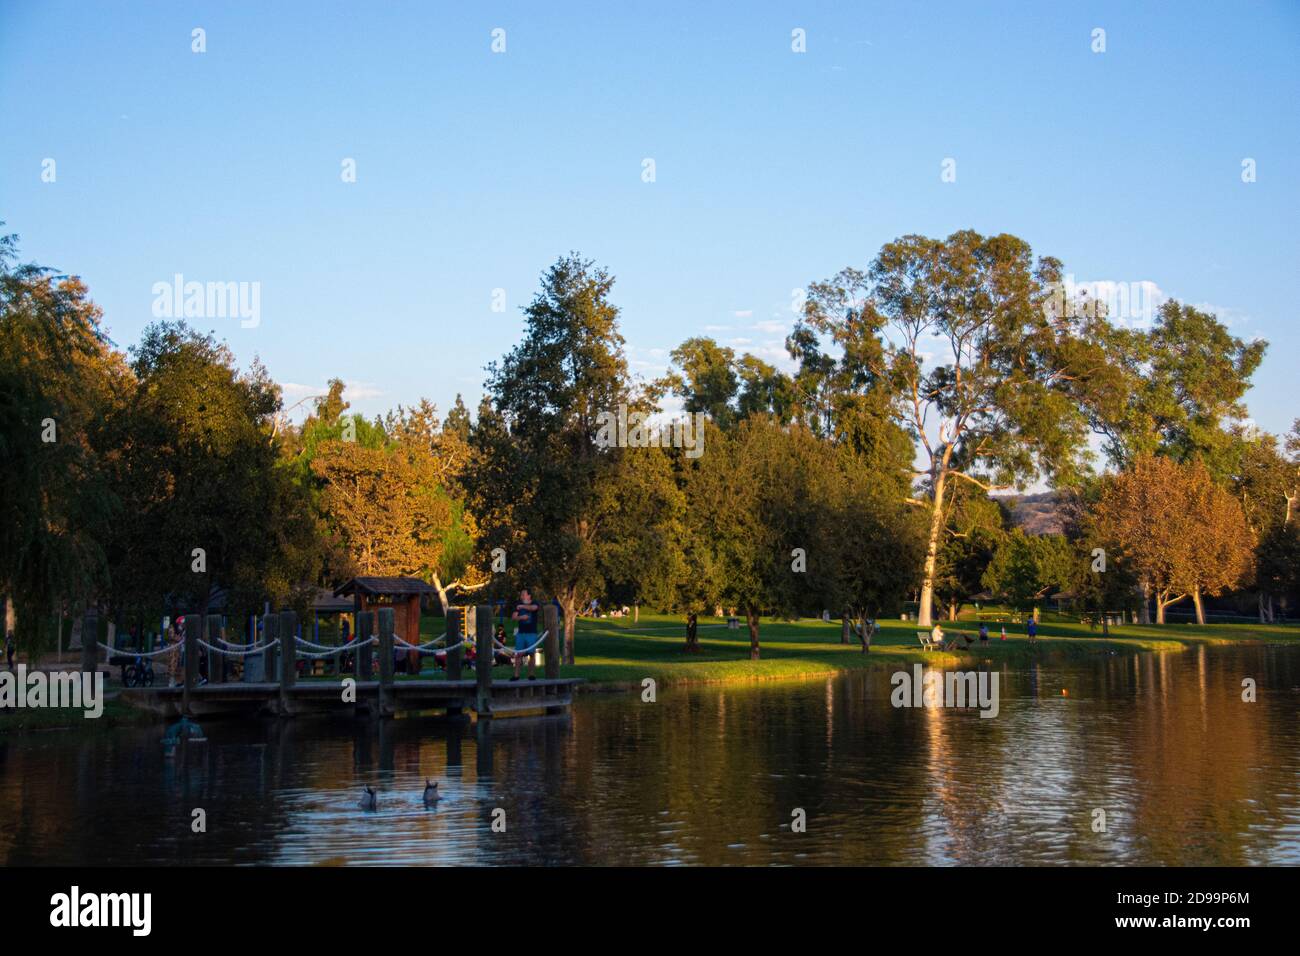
column 216, row 660
column 190, row 650
column 386, row 616
column 89, row 641
column 456, row 626
column 271, row 656
column 288, row 658
column 483, row 665
column 551, row 625
column 365, row 631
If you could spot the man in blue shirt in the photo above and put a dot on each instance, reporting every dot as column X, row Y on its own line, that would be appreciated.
column 526, row 635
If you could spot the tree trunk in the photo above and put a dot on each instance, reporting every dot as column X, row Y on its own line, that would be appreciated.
column 1200, row 605
column 569, row 602
column 1160, row 609
column 1144, row 615
column 844, row 629
column 752, row 617
column 924, row 612
column 952, row 610
column 636, row 613
column 442, row 596
column 1265, row 608
column 692, row 633
column 865, row 634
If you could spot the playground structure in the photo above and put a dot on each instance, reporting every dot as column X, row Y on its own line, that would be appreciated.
column 278, row 647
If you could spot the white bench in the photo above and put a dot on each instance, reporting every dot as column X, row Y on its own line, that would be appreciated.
column 927, row 642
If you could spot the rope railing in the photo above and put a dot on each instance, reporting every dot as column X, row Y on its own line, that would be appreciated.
column 521, row 653
column 397, row 640
column 329, row 651
column 232, row 653
column 333, row 648
column 133, row 653
column 251, row 645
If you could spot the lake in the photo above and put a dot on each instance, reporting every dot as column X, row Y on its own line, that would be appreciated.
column 1184, row 770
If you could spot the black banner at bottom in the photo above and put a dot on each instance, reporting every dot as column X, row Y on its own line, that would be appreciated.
column 477, row 906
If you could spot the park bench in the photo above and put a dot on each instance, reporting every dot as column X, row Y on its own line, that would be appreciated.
column 927, row 642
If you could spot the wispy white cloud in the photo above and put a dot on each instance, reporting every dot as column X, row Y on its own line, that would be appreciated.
column 352, row 390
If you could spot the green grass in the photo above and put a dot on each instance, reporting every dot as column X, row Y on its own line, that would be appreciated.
column 617, row 652
column 117, row 713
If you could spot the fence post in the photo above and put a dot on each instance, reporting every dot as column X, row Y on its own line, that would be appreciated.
column 365, row 631
column 216, row 660
column 551, row 625
column 455, row 616
column 271, row 656
column 456, row 626
column 190, row 650
column 483, row 665
column 89, row 641
column 386, row 616
column 288, row 658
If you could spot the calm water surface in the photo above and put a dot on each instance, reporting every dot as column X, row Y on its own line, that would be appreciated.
column 1187, row 773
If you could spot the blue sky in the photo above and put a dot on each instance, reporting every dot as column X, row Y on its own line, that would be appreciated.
column 477, row 170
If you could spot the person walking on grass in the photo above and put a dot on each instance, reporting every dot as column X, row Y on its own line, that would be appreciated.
column 526, row 635
column 9, row 649
column 1033, row 631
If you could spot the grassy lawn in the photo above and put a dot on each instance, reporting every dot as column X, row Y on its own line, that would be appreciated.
column 614, row 651
column 117, row 713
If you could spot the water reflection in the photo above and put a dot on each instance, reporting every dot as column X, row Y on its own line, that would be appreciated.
column 1186, row 772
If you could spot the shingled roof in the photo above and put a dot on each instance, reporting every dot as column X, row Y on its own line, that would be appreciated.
column 385, row 587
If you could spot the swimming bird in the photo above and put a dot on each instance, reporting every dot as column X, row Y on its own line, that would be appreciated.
column 369, row 800
column 431, row 794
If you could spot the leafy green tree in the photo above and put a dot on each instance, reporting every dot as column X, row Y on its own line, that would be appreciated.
column 1013, row 573
column 1194, row 376
column 764, row 390
column 707, row 381
column 951, row 341
column 972, row 535
column 874, row 543
column 212, row 500
column 1267, row 484
column 543, row 488
column 59, row 380
column 776, row 524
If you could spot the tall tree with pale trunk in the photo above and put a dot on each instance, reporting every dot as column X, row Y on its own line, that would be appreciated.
column 956, row 341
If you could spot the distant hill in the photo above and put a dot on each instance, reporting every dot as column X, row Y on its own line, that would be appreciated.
column 1036, row 514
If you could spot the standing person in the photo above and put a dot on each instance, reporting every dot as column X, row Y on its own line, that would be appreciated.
column 9, row 649
column 176, row 659
column 1033, row 631
column 526, row 635
column 984, row 633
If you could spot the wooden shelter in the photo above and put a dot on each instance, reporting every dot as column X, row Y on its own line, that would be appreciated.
column 403, row 595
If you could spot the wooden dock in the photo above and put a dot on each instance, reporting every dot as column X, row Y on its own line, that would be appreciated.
column 323, row 697
column 350, row 694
